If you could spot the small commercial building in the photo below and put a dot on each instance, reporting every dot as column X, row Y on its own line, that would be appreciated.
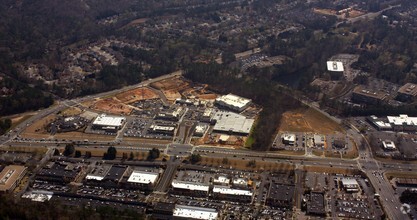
column 108, row 123
column 335, row 66
column 192, row 212
column 366, row 96
column 200, row 130
column 350, row 185
column 10, row 177
column 319, row 140
column 59, row 173
column 162, row 129
column 190, row 188
column 171, row 114
column 142, row 179
column 280, row 195
column 233, row 102
column 288, row 139
column 389, row 145
column 407, row 92
column 230, row 194
column 378, row 123
column 316, row 204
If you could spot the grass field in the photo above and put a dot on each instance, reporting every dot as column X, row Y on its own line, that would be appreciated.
column 391, row 175
column 308, row 120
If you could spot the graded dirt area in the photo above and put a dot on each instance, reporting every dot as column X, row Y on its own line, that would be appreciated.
column 136, row 95
column 172, row 94
column 176, row 83
column 308, row 120
column 112, row 106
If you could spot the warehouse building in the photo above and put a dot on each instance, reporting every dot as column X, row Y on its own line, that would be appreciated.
column 232, row 123
column 192, row 212
column 233, row 102
column 108, row 123
column 10, row 177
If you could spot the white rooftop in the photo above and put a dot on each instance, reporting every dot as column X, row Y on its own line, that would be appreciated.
column 288, row 137
column 233, row 100
column 192, row 212
column 94, row 177
column 230, row 191
column 221, row 179
column 402, row 120
column 382, row 124
column 232, row 122
column 347, row 182
column 190, row 186
column 389, row 145
column 104, row 120
column 318, row 139
column 335, row 66
column 240, row 181
column 143, row 177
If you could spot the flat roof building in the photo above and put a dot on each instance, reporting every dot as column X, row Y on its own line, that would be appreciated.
column 389, row 145
column 10, row 177
column 335, row 66
column 319, row 140
column 316, row 204
column 233, row 102
column 227, row 193
column 143, row 177
column 403, row 123
column 366, row 96
column 280, row 195
column 350, row 185
column 108, row 123
column 58, row 172
column 190, row 188
column 288, row 139
column 407, row 92
column 192, row 212
column 232, row 123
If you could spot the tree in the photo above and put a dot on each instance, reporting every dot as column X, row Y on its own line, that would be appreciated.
column 77, row 153
column 131, row 156
column 88, row 154
column 251, row 163
column 153, row 154
column 225, row 160
column 56, row 152
column 124, row 156
column 110, row 154
column 195, row 158
column 228, row 57
column 69, row 150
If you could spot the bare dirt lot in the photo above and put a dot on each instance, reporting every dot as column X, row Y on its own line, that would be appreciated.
column 176, row 83
column 308, row 120
column 112, row 106
column 136, row 95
